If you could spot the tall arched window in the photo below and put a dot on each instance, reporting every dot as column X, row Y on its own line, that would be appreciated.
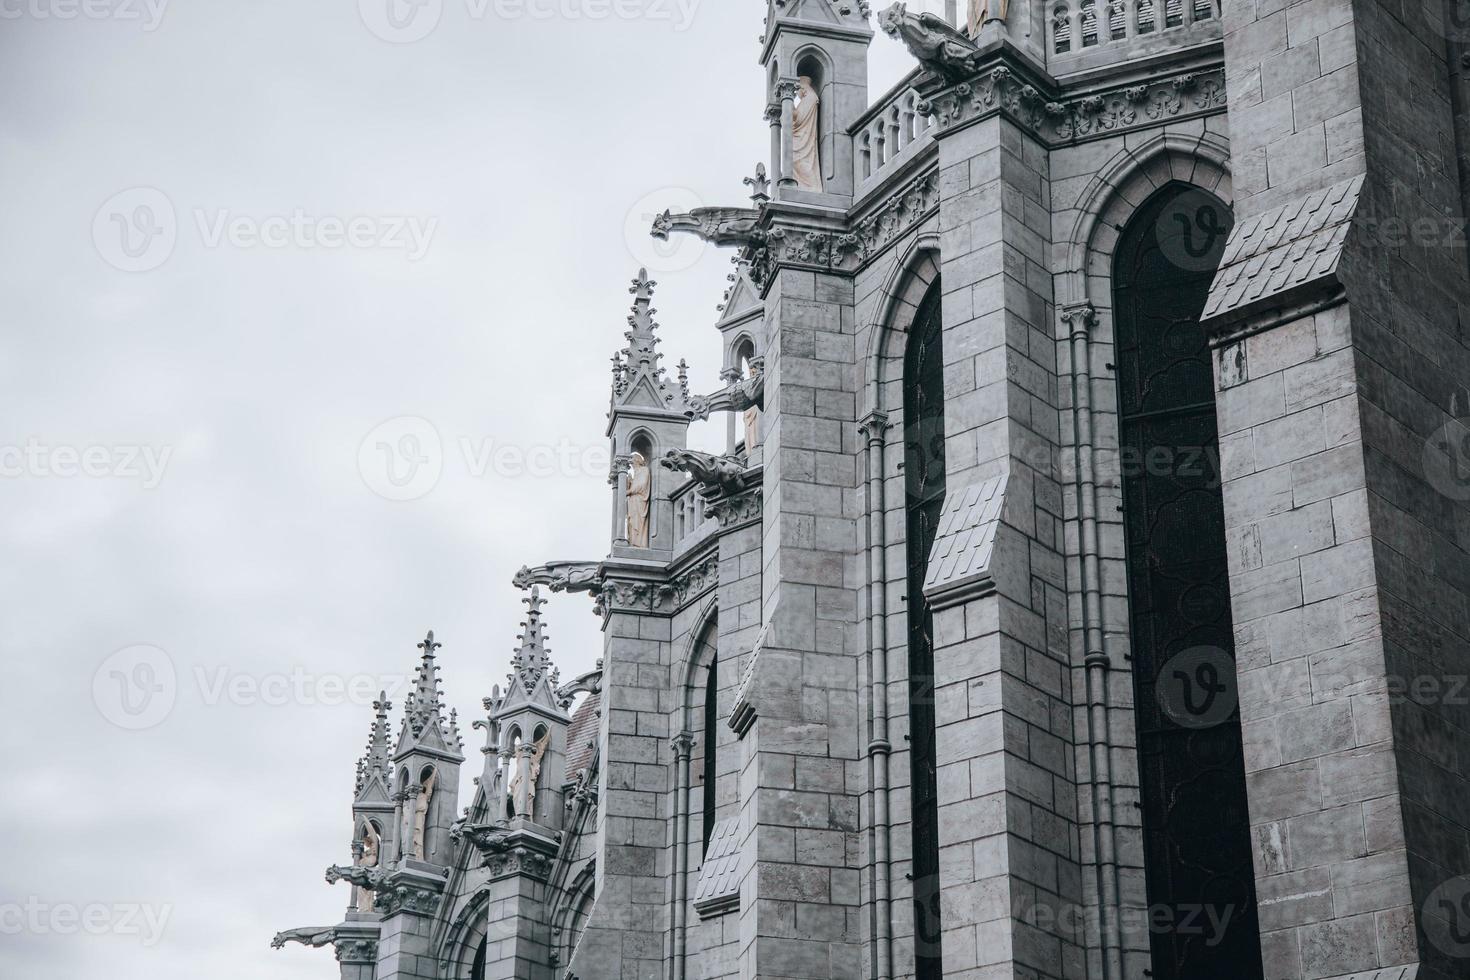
column 923, row 414
column 478, row 970
column 1191, row 769
column 706, row 654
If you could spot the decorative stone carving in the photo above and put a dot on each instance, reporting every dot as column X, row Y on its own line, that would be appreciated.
column 522, row 789
column 366, row 849
column 760, row 186
column 938, row 47
column 640, row 488
column 901, row 212
column 362, row 951
column 716, row 475
column 406, row 898
column 519, row 860
column 663, row 597
column 718, row 226
column 562, row 576
column 806, row 137
column 730, row 511
column 315, row 938
column 1065, row 120
column 422, row 800
column 738, row 396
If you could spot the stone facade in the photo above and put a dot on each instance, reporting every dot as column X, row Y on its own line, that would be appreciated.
column 908, row 682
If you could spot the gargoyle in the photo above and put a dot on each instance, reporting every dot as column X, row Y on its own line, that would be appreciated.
column 562, row 576
column 939, row 48
column 718, row 226
column 588, row 683
column 315, row 938
column 488, row 838
column 737, row 397
column 373, row 879
column 716, row 475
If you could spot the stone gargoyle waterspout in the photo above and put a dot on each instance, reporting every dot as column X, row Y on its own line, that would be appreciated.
column 939, row 48
column 716, row 475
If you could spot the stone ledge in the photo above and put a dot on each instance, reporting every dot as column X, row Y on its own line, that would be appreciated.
column 1285, row 257
column 959, row 564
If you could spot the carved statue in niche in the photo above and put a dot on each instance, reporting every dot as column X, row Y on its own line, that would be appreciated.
column 368, row 848
column 806, row 137
column 421, row 814
column 980, row 12
column 522, row 789
column 640, row 488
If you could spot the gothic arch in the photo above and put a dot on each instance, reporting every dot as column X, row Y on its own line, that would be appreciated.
column 708, row 616
column 570, row 919
column 467, row 933
column 899, row 301
column 1118, row 189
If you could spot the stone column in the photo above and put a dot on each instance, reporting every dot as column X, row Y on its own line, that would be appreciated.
column 786, row 94
column 1336, row 383
column 798, row 702
column 1009, row 841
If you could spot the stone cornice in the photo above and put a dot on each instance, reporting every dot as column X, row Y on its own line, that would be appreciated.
column 660, row 595
column 1060, row 117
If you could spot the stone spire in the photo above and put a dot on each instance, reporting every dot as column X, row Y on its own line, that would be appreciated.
column 379, row 753
column 639, row 378
column 427, row 723
column 531, row 671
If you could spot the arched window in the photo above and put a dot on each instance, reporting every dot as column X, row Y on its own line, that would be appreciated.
column 706, row 654
column 1197, row 851
column 478, row 970
column 923, row 415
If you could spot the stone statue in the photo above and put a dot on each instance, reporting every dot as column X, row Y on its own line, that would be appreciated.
column 806, row 137
column 367, row 857
column 522, row 788
column 716, row 475
column 938, row 47
column 640, row 489
column 421, row 814
column 718, row 226
column 980, row 13
column 752, row 428
column 315, row 938
column 562, row 576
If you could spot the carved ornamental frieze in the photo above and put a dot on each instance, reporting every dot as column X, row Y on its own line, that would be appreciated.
column 661, row 597
column 1067, row 119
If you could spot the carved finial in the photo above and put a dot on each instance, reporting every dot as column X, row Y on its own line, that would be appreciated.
column 760, row 185
column 642, row 288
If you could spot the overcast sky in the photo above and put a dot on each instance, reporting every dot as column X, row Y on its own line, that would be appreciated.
column 254, row 252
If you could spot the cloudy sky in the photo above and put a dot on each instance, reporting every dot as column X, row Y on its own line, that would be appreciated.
column 307, row 312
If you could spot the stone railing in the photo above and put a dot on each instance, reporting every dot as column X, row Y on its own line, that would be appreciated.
column 889, row 133
column 1081, row 33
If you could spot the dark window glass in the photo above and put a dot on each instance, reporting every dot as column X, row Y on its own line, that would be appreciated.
column 923, row 413
column 1200, row 881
